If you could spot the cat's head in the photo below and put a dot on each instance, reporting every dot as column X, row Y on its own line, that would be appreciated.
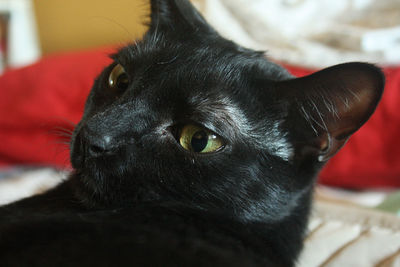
column 185, row 115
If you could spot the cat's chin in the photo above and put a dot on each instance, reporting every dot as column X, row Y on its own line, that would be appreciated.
column 101, row 188
column 93, row 185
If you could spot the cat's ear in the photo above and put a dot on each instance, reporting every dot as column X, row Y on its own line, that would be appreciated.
column 326, row 107
column 179, row 16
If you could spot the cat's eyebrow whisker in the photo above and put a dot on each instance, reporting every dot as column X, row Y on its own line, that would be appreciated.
column 134, row 49
column 113, row 21
column 167, row 62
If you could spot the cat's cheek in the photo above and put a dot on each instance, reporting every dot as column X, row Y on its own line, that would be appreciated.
column 76, row 154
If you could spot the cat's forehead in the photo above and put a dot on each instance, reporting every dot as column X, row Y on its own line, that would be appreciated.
column 214, row 82
column 213, row 56
column 201, row 70
column 208, row 75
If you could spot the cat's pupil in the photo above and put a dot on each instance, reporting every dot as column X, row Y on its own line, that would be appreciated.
column 122, row 82
column 199, row 141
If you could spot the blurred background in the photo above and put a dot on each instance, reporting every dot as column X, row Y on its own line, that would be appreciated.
column 302, row 32
column 30, row 29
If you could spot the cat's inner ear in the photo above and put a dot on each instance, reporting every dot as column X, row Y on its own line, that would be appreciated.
column 326, row 107
column 177, row 16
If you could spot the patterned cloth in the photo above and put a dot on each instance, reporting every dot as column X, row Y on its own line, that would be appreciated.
column 22, row 182
column 313, row 33
column 344, row 235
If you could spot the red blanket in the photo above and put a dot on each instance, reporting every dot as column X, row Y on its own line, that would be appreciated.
column 39, row 105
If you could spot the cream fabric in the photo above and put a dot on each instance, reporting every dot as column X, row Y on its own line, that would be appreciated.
column 344, row 235
column 314, row 33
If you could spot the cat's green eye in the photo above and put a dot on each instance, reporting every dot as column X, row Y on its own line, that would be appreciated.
column 199, row 140
column 118, row 78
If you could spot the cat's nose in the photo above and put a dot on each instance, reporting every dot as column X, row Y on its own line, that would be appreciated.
column 97, row 144
column 89, row 143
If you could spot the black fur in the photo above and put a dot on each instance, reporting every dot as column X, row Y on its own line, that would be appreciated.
column 137, row 198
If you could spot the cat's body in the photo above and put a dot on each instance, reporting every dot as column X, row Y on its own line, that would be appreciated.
column 148, row 234
column 192, row 151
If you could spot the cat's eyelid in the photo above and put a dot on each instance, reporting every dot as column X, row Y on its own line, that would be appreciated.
column 221, row 130
column 195, row 122
column 118, row 59
column 115, row 58
column 125, row 56
column 117, row 62
column 211, row 127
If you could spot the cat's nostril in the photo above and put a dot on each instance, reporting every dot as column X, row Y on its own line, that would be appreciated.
column 95, row 150
column 97, row 144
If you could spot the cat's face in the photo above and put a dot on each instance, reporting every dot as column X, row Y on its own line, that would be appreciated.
column 185, row 115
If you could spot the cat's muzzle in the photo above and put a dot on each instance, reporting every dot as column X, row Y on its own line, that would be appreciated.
column 88, row 145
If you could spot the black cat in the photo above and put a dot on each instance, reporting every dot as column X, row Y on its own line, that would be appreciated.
column 192, row 151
